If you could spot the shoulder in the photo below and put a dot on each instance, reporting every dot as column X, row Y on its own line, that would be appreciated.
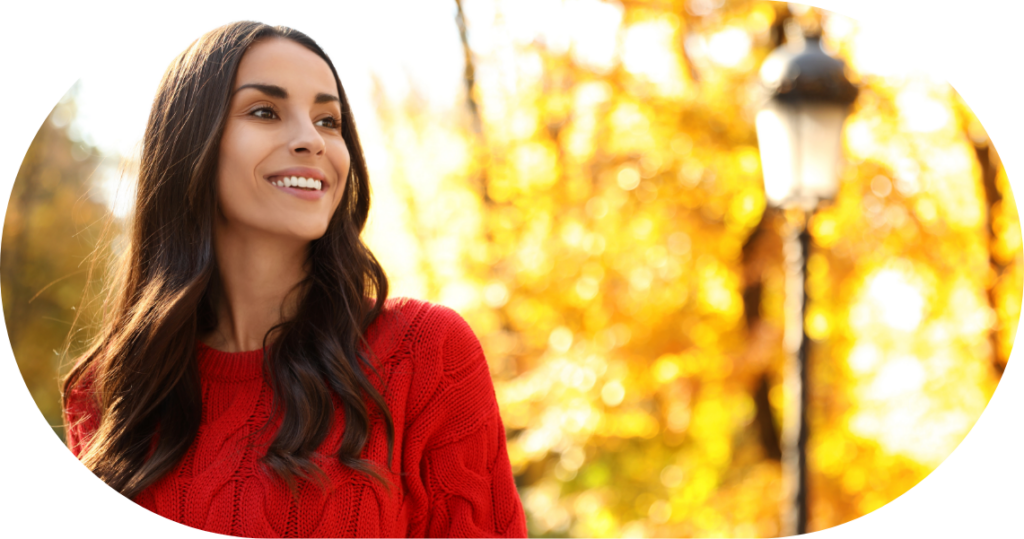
column 402, row 311
column 440, row 338
column 407, row 325
column 432, row 341
column 449, row 377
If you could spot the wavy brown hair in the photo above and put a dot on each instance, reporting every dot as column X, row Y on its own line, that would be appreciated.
column 142, row 367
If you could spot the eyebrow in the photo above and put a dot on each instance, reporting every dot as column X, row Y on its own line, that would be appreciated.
column 273, row 90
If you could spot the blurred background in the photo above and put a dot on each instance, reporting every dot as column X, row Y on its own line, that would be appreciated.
column 582, row 181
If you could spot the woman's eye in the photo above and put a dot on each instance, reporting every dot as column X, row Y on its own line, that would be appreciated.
column 329, row 122
column 264, row 113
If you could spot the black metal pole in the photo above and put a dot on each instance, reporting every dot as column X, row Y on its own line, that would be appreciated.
column 796, row 343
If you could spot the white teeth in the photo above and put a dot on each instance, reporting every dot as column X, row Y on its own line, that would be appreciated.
column 300, row 182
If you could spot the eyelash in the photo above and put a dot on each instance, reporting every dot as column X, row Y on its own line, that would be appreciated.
column 269, row 109
column 335, row 122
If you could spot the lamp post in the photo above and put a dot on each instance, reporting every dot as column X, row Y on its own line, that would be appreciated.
column 798, row 132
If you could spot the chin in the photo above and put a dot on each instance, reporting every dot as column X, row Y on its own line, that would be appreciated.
column 315, row 236
column 310, row 234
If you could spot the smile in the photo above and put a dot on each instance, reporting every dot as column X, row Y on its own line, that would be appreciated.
column 299, row 186
column 297, row 182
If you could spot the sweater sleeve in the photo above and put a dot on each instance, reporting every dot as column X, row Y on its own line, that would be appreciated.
column 463, row 475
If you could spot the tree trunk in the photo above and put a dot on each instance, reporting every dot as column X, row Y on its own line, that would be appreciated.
column 989, row 161
column 757, row 253
column 469, row 77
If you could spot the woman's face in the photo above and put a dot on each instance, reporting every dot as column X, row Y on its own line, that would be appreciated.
column 283, row 162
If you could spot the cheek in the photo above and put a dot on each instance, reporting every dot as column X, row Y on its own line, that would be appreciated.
column 241, row 151
column 341, row 160
column 232, row 164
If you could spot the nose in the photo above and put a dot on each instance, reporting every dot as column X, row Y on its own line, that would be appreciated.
column 305, row 138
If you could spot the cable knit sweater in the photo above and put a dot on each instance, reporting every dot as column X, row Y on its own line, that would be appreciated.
column 450, row 463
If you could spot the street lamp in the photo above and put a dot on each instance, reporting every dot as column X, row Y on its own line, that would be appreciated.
column 798, row 131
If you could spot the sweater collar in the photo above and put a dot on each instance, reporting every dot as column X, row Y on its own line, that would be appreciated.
column 221, row 365
column 384, row 335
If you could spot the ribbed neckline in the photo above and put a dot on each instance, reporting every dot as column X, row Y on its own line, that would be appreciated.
column 229, row 365
column 386, row 333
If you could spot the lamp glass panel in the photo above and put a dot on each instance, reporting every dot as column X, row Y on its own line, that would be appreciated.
column 776, row 135
column 820, row 127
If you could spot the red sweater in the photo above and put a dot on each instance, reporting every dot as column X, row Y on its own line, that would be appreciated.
column 450, row 460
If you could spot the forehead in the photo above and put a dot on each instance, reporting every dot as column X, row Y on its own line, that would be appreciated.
column 285, row 63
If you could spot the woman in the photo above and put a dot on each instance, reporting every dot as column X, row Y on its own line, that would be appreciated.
column 250, row 378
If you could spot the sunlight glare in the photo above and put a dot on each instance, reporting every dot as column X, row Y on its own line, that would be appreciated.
column 864, row 357
column 647, row 51
column 920, row 112
column 729, row 47
column 877, row 50
column 972, row 313
column 898, row 377
column 459, row 296
column 595, row 42
column 900, row 303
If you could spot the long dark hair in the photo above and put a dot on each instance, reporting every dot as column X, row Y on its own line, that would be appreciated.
column 142, row 366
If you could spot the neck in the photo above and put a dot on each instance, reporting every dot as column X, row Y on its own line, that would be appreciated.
column 258, row 274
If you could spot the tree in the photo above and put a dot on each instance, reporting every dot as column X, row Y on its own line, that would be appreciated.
column 53, row 222
column 625, row 278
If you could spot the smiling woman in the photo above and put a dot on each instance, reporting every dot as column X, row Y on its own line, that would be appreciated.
column 283, row 131
column 281, row 138
column 250, row 377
